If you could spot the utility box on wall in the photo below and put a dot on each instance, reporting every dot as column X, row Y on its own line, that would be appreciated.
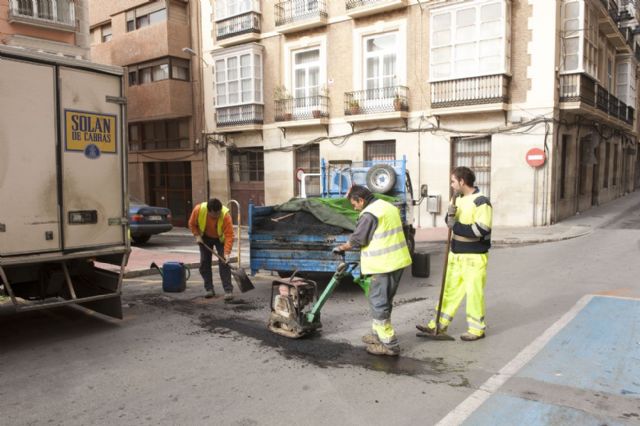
column 433, row 203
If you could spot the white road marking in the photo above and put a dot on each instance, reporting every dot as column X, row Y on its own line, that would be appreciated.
column 459, row 414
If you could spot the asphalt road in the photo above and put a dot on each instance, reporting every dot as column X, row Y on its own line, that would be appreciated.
column 182, row 359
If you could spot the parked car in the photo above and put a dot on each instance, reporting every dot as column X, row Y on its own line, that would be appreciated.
column 146, row 220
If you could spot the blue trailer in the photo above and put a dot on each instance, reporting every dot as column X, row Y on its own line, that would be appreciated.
column 286, row 252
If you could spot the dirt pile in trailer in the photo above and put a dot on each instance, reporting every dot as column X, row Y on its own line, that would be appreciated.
column 300, row 222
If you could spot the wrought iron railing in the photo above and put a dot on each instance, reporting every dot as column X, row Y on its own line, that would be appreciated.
column 45, row 11
column 352, row 4
column 612, row 8
column 302, row 108
column 373, row 101
column 583, row 88
column 242, row 24
column 239, row 115
column 470, row 91
column 290, row 11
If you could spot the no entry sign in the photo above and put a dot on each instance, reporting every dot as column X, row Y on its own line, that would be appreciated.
column 535, row 157
column 299, row 173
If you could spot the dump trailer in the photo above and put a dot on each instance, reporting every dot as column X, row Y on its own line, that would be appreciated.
column 63, row 181
column 307, row 248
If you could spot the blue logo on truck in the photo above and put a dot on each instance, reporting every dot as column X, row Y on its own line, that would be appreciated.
column 92, row 151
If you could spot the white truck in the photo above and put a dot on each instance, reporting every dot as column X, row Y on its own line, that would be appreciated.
column 63, row 183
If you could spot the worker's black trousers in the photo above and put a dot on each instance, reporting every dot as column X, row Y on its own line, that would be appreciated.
column 205, row 265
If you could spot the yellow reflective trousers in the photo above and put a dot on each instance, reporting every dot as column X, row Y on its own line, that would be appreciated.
column 466, row 274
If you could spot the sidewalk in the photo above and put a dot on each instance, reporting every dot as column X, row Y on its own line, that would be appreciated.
column 577, row 226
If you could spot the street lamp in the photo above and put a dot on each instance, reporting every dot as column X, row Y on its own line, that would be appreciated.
column 192, row 52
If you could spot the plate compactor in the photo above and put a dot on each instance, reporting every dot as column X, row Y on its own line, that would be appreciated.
column 295, row 305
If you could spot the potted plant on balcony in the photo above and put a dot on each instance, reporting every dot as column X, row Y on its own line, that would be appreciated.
column 322, row 93
column 354, row 107
column 281, row 94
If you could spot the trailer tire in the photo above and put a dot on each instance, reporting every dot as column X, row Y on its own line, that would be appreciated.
column 381, row 178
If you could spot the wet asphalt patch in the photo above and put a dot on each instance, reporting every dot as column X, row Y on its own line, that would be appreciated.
column 326, row 353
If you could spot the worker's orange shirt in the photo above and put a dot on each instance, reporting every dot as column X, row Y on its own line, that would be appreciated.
column 211, row 228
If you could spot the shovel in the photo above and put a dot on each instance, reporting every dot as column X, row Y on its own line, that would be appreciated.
column 239, row 275
column 438, row 335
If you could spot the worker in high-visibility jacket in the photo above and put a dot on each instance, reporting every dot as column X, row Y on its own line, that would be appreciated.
column 470, row 219
column 383, row 256
column 211, row 225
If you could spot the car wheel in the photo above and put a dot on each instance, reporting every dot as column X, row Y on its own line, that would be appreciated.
column 381, row 178
column 140, row 239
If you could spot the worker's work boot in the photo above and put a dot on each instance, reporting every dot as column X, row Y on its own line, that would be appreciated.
column 228, row 297
column 209, row 294
column 431, row 331
column 382, row 349
column 468, row 337
column 370, row 339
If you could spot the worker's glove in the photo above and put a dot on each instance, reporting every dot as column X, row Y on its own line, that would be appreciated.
column 451, row 215
column 452, row 210
column 451, row 221
column 199, row 239
column 337, row 251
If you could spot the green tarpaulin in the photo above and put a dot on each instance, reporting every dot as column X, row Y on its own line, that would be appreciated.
column 332, row 211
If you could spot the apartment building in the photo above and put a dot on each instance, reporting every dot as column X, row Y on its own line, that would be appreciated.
column 158, row 45
column 60, row 27
column 441, row 83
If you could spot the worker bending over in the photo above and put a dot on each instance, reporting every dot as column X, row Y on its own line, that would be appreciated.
column 383, row 255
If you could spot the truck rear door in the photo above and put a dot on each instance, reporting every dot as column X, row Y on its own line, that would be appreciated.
column 29, row 214
column 92, row 159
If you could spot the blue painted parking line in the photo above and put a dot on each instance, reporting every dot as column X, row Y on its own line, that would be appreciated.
column 584, row 370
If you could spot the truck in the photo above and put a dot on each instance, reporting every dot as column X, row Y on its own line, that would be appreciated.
column 309, row 251
column 63, row 183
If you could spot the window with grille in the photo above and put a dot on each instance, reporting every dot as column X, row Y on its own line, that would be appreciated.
column 308, row 159
column 380, row 150
column 246, row 166
column 474, row 153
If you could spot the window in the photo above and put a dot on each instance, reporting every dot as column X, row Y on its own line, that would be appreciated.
column 106, row 33
column 146, row 15
column 625, row 83
column 246, row 166
column 476, row 154
column 579, row 37
column 615, row 165
column 161, row 69
column 380, row 60
column 469, row 40
column 238, row 79
column 162, row 134
column 59, row 11
column 380, row 150
column 307, row 158
column 228, row 8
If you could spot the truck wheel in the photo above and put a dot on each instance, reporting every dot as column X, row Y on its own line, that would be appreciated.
column 381, row 178
column 140, row 239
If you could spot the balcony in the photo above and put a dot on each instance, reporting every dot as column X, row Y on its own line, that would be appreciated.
column 608, row 17
column 298, row 112
column 579, row 89
column 377, row 104
column 298, row 15
column 238, row 29
column 58, row 14
column 239, row 118
column 482, row 93
column 359, row 8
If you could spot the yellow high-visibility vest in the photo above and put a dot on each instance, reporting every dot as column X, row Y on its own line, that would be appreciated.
column 387, row 251
column 202, row 220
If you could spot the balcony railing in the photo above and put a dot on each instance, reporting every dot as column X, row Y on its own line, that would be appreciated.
column 290, row 11
column 242, row 24
column 582, row 88
column 470, row 91
column 240, row 115
column 612, row 8
column 43, row 12
column 306, row 108
column 352, row 4
column 374, row 101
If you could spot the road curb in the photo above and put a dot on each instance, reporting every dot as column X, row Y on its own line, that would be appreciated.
column 151, row 271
